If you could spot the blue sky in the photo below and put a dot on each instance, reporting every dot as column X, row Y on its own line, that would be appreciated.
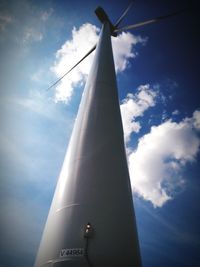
column 157, row 73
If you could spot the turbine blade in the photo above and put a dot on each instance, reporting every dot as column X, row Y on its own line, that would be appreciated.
column 143, row 23
column 123, row 15
column 88, row 53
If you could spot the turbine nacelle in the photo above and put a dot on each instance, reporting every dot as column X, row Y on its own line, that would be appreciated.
column 114, row 30
column 103, row 17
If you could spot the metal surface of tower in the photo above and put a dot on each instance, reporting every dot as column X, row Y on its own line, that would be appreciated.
column 91, row 220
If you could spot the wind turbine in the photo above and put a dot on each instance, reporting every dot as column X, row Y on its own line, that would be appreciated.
column 91, row 221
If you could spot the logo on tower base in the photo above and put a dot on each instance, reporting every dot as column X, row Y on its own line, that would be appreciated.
column 71, row 252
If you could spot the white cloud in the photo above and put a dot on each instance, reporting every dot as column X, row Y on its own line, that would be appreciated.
column 134, row 106
column 73, row 50
column 37, row 103
column 155, row 166
column 32, row 35
column 69, row 54
column 45, row 15
column 176, row 112
column 4, row 21
column 196, row 119
column 164, row 115
column 123, row 49
column 38, row 75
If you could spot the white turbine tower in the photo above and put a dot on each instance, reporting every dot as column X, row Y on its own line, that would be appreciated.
column 91, row 221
